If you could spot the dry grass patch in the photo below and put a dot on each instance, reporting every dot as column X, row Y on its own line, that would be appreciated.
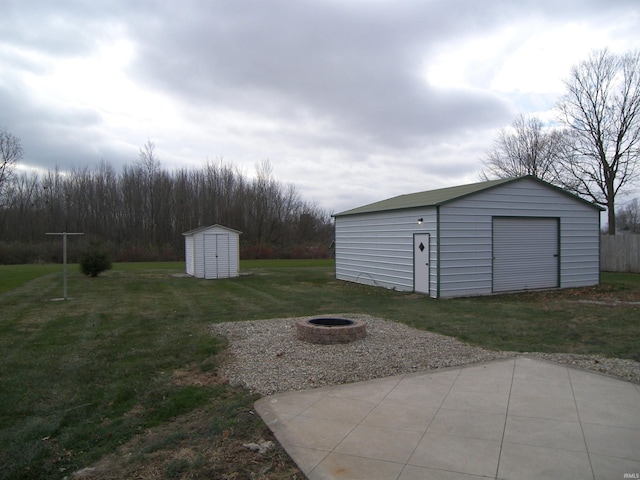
column 196, row 378
column 203, row 444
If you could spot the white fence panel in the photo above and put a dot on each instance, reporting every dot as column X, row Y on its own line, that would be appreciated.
column 620, row 253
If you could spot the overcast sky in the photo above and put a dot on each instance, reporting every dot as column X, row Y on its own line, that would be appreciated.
column 352, row 101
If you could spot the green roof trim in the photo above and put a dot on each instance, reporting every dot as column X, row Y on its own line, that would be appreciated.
column 434, row 198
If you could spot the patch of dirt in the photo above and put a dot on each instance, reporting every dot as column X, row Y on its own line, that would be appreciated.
column 193, row 447
column 412, row 296
column 600, row 294
column 136, row 411
column 192, row 378
column 612, row 303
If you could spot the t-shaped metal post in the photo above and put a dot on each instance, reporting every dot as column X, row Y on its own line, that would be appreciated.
column 64, row 259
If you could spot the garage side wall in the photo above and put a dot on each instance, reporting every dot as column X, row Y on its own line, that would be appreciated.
column 466, row 235
column 377, row 248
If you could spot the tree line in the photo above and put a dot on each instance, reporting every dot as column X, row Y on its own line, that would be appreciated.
column 140, row 212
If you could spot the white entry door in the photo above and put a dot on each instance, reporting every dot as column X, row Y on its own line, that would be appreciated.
column 421, row 262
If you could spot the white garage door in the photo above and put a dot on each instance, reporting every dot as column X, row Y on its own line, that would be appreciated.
column 525, row 253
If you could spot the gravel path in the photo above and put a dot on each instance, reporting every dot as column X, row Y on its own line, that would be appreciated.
column 265, row 356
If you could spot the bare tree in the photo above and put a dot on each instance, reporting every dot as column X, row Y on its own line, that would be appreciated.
column 628, row 217
column 149, row 168
column 148, row 160
column 601, row 110
column 10, row 154
column 526, row 148
column 263, row 197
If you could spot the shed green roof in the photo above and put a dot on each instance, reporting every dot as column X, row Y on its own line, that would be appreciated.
column 433, row 198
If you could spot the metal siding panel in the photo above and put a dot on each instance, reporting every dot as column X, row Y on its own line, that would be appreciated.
column 377, row 249
column 210, row 261
column 234, row 255
column 580, row 247
column 525, row 252
column 188, row 254
column 198, row 250
column 465, row 250
column 222, row 256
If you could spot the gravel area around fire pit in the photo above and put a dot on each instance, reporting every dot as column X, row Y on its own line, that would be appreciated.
column 265, row 356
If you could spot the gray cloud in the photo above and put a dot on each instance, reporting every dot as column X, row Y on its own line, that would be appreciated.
column 358, row 69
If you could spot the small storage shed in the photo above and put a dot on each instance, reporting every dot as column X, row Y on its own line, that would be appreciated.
column 503, row 235
column 212, row 252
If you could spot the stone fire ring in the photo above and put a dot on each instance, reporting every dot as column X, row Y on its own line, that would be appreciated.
column 330, row 330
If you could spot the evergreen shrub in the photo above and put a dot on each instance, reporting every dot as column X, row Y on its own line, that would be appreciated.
column 94, row 261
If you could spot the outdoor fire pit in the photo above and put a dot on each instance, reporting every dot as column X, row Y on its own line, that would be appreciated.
column 326, row 330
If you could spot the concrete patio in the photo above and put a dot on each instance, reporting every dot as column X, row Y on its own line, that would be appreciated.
column 510, row 419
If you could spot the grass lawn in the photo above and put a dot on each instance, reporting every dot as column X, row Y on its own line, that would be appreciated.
column 12, row 276
column 125, row 373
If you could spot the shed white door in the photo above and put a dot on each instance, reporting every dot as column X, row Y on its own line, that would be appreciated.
column 421, row 262
column 216, row 256
column 222, row 263
column 525, row 254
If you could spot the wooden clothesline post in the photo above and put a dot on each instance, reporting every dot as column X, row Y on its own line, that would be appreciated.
column 64, row 259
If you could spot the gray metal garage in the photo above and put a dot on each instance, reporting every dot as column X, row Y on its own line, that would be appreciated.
column 212, row 252
column 498, row 236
